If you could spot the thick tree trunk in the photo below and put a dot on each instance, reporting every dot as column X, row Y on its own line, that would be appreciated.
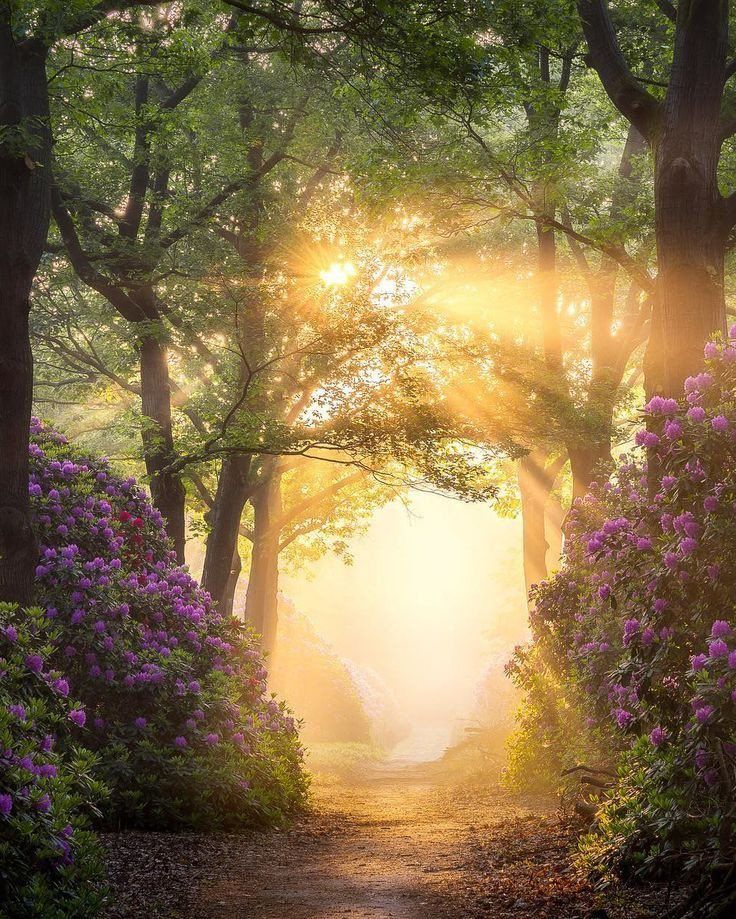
column 167, row 489
column 261, row 605
column 18, row 548
column 689, row 216
column 233, row 488
column 24, row 222
column 692, row 219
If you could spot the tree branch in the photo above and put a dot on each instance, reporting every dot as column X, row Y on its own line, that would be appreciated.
column 125, row 305
column 622, row 87
column 668, row 9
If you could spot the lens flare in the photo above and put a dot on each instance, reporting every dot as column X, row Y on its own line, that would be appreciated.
column 338, row 274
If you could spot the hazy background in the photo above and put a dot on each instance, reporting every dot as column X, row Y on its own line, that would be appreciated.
column 434, row 593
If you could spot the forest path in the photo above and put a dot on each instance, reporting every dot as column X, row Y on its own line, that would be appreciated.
column 392, row 844
column 395, row 843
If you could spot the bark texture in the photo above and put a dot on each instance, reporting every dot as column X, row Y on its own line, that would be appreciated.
column 24, row 221
column 685, row 131
column 233, row 490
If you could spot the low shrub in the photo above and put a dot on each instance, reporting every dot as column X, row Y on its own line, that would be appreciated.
column 49, row 862
column 176, row 707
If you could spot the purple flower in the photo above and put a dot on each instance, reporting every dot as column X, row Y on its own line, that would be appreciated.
column 710, row 351
column 646, row 438
column 17, row 711
column 719, row 423
column 140, row 723
column 696, row 413
column 212, row 739
column 704, row 714
column 6, row 805
column 720, row 629
column 43, row 804
column 699, row 661
column 623, row 717
column 718, row 648
column 672, row 429
column 34, row 662
column 658, row 736
column 61, row 686
column 688, row 545
column 11, row 634
column 78, row 716
column 710, row 777
column 180, row 741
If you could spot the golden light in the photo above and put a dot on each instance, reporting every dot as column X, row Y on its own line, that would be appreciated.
column 337, row 274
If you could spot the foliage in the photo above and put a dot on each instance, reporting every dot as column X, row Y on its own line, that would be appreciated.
column 49, row 861
column 637, row 627
column 174, row 694
column 552, row 733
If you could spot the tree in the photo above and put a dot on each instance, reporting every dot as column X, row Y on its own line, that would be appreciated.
column 27, row 35
column 686, row 130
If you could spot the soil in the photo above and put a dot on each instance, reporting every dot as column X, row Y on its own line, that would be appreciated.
column 392, row 843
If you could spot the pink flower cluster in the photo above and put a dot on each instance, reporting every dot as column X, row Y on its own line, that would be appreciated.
column 142, row 645
column 641, row 612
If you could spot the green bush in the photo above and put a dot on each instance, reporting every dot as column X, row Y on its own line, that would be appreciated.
column 49, row 861
column 175, row 700
column 638, row 633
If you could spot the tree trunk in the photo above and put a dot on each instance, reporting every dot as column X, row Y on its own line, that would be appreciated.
column 588, row 462
column 261, row 604
column 534, row 490
column 233, row 489
column 24, row 222
column 554, row 522
column 167, row 489
column 547, row 286
column 689, row 219
column 228, row 601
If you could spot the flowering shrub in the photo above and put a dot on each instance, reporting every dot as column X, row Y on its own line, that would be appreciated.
column 49, row 863
column 174, row 695
column 639, row 627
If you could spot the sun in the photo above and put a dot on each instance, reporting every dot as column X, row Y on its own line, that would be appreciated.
column 337, row 274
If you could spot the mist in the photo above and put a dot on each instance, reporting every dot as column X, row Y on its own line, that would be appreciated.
column 433, row 597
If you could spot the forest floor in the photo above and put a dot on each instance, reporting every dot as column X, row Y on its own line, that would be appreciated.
column 391, row 842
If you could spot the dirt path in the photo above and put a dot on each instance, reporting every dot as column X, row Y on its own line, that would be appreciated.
column 395, row 844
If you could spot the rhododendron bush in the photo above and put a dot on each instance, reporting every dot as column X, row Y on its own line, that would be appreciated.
column 639, row 627
column 174, row 695
column 49, row 863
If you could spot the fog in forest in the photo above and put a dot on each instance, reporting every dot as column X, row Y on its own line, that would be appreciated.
column 433, row 603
